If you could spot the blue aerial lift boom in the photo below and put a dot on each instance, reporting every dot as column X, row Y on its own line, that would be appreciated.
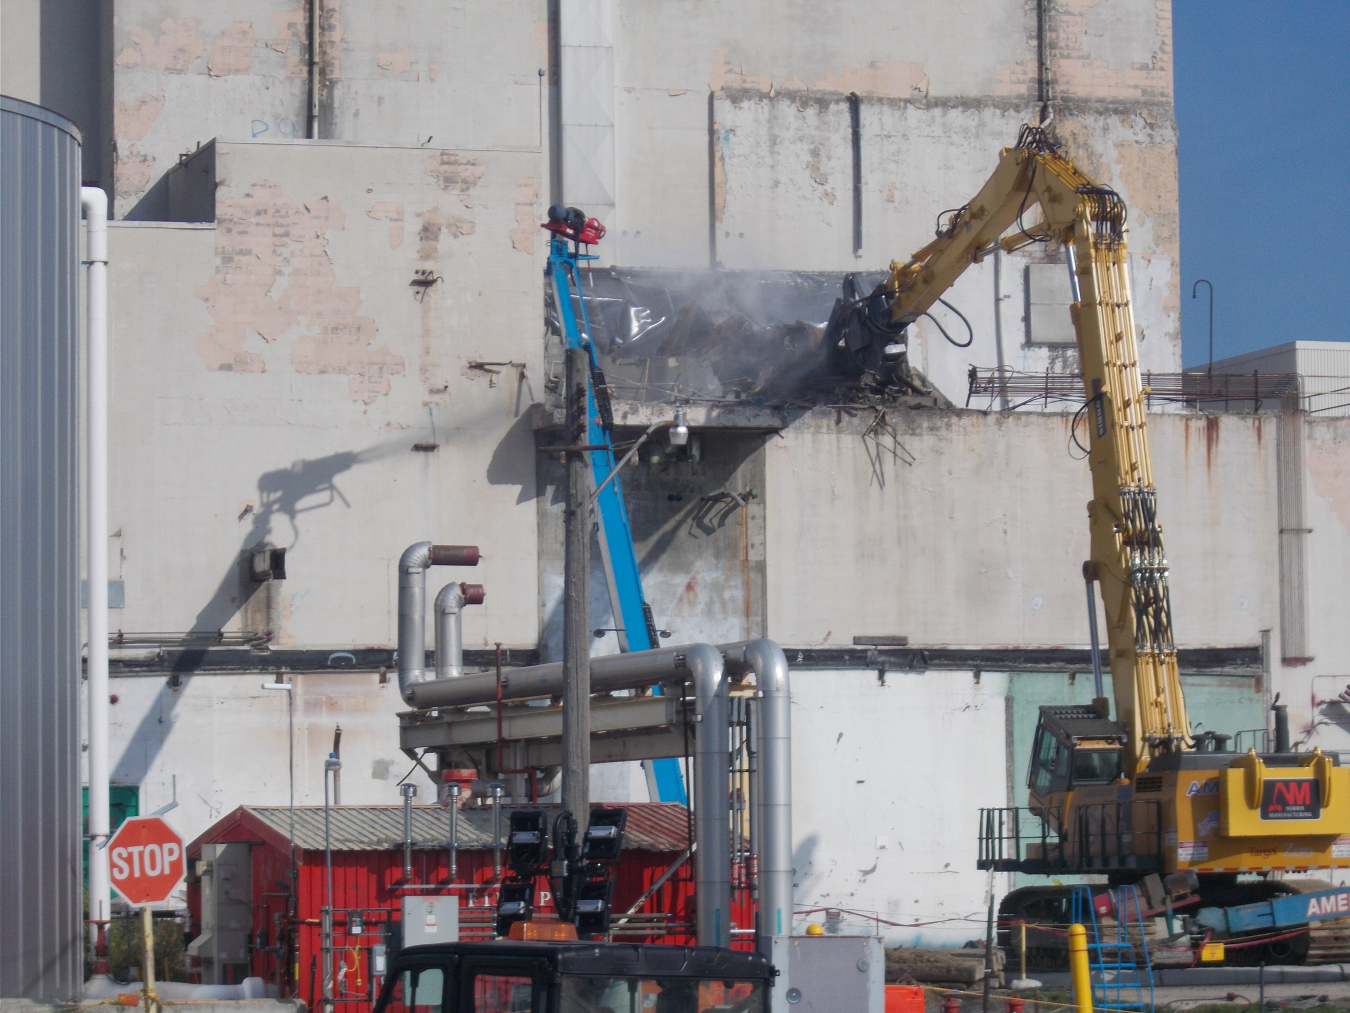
column 572, row 233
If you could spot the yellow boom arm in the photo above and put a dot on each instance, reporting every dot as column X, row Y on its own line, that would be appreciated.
column 1127, row 548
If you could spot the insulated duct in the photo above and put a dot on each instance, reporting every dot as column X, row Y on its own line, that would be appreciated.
column 772, row 792
column 614, row 671
column 449, row 606
column 712, row 807
column 412, row 605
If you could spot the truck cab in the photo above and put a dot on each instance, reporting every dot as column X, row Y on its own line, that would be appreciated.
column 574, row 977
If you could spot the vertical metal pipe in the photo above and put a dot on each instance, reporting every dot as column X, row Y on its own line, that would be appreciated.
column 454, row 832
column 576, row 662
column 1088, row 579
column 95, row 204
column 409, row 792
column 312, row 127
column 332, row 764
column 712, row 768
column 767, row 661
column 412, row 615
column 496, row 830
column 1071, row 258
column 449, row 632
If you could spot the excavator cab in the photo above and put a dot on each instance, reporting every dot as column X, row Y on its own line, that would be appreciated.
column 1074, row 747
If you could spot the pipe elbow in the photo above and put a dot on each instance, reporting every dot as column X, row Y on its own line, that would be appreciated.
column 416, row 557
column 450, row 599
column 763, row 657
column 707, row 667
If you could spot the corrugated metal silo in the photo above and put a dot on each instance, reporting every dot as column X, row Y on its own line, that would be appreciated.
column 41, row 902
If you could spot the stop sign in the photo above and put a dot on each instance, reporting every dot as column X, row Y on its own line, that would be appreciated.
column 145, row 858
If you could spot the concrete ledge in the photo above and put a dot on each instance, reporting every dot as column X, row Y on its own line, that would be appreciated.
column 1215, row 976
column 1291, row 975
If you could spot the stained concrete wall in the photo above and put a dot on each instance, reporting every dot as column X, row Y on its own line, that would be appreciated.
column 410, row 73
column 971, row 528
column 272, row 373
column 273, row 369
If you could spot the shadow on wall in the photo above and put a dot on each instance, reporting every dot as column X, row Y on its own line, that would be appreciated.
column 287, row 493
column 513, row 461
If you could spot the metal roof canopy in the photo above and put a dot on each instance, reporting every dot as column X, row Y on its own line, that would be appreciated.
column 661, row 827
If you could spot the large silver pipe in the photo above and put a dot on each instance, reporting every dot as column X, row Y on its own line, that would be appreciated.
column 412, row 604
column 712, row 811
column 615, row 671
column 774, row 804
column 448, row 610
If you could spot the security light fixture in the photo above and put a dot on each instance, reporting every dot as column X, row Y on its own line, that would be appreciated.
column 679, row 432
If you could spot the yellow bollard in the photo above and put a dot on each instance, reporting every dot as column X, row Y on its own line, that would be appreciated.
column 1078, row 969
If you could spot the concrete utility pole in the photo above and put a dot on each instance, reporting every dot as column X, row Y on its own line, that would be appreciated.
column 576, row 737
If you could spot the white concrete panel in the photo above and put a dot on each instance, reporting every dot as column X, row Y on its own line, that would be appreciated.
column 283, row 401
column 465, row 76
column 586, row 23
column 21, row 50
column 803, row 220
column 888, row 777
column 958, row 528
column 588, row 169
column 963, row 48
column 588, row 86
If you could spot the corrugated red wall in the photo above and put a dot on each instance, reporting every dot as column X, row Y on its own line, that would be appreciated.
column 289, row 952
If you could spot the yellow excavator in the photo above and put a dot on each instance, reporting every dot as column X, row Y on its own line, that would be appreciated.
column 1136, row 797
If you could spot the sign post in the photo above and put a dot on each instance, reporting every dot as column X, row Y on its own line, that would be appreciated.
column 147, row 864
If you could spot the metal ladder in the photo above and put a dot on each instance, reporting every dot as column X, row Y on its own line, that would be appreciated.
column 1119, row 979
column 632, row 614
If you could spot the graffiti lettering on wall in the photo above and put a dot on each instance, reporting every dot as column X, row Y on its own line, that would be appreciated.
column 284, row 127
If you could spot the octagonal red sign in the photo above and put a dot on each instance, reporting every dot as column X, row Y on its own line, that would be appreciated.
column 145, row 859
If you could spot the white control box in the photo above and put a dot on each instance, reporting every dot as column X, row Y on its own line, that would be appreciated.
column 430, row 920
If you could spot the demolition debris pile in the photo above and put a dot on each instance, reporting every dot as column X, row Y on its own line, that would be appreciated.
column 759, row 336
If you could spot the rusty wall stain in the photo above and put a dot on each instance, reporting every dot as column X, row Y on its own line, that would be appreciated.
column 174, row 52
column 1211, row 440
column 455, row 173
column 262, row 239
column 391, row 212
column 1077, row 75
column 1329, row 464
column 434, row 222
column 397, row 62
column 232, row 52
column 331, row 34
column 527, row 214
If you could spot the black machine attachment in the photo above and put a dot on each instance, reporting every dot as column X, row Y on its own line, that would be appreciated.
column 865, row 342
column 582, row 876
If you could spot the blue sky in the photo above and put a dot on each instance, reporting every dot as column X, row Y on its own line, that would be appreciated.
column 1263, row 112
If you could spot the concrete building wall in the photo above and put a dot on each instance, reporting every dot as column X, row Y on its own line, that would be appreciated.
column 971, row 528
column 273, row 372
column 274, row 367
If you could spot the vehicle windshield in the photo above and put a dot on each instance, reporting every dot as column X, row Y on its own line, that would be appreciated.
column 1099, row 765
column 604, row 994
